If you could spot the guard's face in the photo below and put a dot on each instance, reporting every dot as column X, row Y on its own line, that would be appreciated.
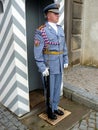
column 53, row 17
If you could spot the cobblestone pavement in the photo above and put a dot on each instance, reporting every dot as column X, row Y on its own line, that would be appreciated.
column 8, row 121
column 90, row 122
column 80, row 76
column 86, row 79
column 83, row 77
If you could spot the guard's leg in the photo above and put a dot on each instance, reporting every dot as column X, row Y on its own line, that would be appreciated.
column 52, row 84
column 57, row 88
column 47, row 85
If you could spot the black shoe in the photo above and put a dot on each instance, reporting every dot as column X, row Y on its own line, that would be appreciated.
column 59, row 112
column 52, row 116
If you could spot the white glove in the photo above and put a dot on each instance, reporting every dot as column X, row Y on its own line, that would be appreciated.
column 46, row 72
column 65, row 65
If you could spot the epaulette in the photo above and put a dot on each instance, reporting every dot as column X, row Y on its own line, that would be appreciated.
column 42, row 26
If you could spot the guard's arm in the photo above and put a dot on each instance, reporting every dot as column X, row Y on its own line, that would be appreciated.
column 38, row 51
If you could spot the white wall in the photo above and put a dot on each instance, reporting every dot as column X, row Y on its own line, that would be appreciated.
column 14, row 92
column 90, row 33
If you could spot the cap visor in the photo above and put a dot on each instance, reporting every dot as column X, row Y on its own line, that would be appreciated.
column 54, row 11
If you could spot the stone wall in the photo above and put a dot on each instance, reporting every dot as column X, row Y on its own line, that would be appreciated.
column 77, row 7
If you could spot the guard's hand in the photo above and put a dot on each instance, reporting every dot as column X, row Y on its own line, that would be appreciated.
column 65, row 65
column 46, row 72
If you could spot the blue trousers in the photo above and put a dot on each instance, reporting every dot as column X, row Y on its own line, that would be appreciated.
column 55, row 89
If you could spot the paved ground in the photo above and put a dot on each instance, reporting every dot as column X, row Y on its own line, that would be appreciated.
column 83, row 77
column 80, row 85
column 90, row 122
column 8, row 121
column 34, row 122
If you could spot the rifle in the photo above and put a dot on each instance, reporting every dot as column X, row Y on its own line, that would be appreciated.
column 47, row 88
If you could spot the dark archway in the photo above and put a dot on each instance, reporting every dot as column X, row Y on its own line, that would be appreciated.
column 34, row 18
column 1, row 7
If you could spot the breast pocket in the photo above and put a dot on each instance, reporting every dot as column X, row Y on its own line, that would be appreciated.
column 62, row 38
column 51, row 38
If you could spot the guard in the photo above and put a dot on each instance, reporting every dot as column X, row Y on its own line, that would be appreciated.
column 51, row 56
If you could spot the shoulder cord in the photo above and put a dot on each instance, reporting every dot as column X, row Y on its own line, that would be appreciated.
column 46, row 40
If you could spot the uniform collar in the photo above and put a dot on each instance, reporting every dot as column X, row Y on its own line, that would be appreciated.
column 53, row 26
column 51, row 29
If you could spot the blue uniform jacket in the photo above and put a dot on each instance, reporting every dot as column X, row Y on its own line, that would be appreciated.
column 46, row 39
